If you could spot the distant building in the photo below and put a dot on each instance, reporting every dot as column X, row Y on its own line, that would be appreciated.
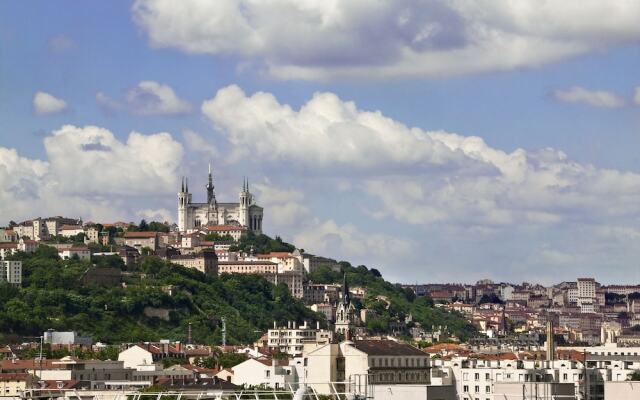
column 11, row 272
column 245, row 213
column 66, row 338
column 206, row 261
column 292, row 338
column 140, row 240
column 81, row 252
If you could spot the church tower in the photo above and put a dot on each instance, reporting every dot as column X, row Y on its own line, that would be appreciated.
column 245, row 202
column 212, row 217
column 344, row 312
column 184, row 199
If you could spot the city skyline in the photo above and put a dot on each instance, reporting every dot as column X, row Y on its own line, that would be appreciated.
column 471, row 144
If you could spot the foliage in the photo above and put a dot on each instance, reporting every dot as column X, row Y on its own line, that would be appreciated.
column 152, row 226
column 402, row 301
column 53, row 297
column 635, row 376
column 261, row 244
column 230, row 360
column 490, row 298
column 215, row 237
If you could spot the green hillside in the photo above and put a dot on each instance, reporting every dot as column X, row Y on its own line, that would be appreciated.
column 53, row 297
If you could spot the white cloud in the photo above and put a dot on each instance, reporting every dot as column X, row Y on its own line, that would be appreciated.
column 421, row 177
column 323, row 39
column 596, row 98
column 45, row 103
column 153, row 98
column 287, row 207
column 88, row 173
column 636, row 97
column 158, row 214
column 349, row 242
column 197, row 144
column 92, row 160
column 107, row 104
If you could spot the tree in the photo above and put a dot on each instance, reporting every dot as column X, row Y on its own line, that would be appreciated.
column 635, row 376
column 230, row 360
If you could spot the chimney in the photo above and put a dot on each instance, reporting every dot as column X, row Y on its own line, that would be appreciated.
column 318, row 325
column 274, row 324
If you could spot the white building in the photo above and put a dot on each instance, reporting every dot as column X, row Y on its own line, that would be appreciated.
column 292, row 338
column 82, row 253
column 192, row 215
column 11, row 272
column 265, row 373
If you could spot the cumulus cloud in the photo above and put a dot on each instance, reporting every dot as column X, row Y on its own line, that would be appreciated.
column 88, row 173
column 437, row 177
column 348, row 241
column 287, row 207
column 595, row 98
column 153, row 98
column 320, row 39
column 147, row 98
column 45, row 103
column 196, row 143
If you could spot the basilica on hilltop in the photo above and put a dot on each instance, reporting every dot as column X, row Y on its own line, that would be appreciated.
column 245, row 213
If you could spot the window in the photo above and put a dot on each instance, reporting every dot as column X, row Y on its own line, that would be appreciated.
column 267, row 373
column 465, row 376
column 477, row 389
column 487, row 389
column 487, row 377
column 465, row 389
column 477, row 376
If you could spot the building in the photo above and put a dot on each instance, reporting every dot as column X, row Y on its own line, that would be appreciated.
column 11, row 272
column 292, row 338
column 245, row 213
column 365, row 364
column 140, row 240
column 265, row 373
column 206, row 261
column 43, row 228
column 223, row 230
column 66, row 338
column 345, row 312
column 80, row 252
column 15, row 384
column 248, row 267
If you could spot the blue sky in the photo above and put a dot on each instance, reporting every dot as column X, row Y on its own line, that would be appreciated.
column 337, row 179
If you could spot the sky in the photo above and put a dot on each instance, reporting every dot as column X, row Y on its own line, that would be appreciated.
column 438, row 141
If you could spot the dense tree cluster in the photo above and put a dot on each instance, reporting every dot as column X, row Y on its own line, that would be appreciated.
column 392, row 302
column 261, row 244
column 53, row 297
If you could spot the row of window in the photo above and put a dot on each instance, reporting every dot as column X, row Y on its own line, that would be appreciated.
column 392, row 362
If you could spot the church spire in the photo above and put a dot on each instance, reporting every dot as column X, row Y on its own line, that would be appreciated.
column 182, row 188
column 346, row 298
column 210, row 188
column 186, row 186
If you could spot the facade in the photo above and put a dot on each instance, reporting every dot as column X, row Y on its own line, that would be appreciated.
column 140, row 240
column 245, row 213
column 66, row 338
column 206, row 261
column 11, row 272
column 292, row 338
column 264, row 373
column 82, row 253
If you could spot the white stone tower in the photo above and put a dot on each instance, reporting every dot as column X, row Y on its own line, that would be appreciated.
column 245, row 202
column 184, row 199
